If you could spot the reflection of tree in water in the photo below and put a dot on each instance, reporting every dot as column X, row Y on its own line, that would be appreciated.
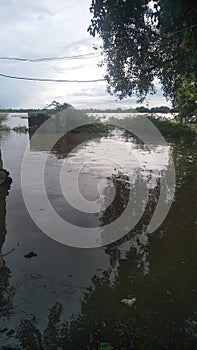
column 85, row 331
column 156, row 321
column 53, row 336
column 6, row 293
column 137, row 238
column 68, row 142
column 58, row 140
column 103, row 318
column 185, row 156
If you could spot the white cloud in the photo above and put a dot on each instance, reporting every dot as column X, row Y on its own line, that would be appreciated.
column 51, row 28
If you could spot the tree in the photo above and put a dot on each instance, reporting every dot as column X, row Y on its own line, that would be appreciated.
column 145, row 39
column 185, row 101
column 59, row 106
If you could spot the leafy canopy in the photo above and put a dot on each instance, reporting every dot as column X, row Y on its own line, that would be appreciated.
column 185, row 101
column 145, row 39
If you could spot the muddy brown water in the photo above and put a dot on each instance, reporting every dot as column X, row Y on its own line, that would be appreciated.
column 69, row 298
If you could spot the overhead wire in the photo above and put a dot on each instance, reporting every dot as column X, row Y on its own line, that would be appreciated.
column 46, row 59
column 55, row 58
column 51, row 80
column 86, row 55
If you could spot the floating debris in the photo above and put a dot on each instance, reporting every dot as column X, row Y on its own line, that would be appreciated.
column 30, row 255
column 128, row 301
column 169, row 291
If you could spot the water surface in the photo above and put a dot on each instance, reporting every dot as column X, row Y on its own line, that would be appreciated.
column 69, row 298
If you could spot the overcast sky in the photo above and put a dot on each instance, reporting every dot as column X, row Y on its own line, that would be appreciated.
column 47, row 28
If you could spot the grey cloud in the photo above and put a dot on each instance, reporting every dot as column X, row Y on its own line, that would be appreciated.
column 13, row 11
column 31, row 28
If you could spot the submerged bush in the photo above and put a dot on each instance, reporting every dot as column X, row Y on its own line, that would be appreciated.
column 4, row 128
column 171, row 128
column 20, row 129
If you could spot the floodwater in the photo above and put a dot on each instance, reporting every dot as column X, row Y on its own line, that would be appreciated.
column 62, row 297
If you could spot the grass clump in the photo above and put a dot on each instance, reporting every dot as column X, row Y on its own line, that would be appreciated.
column 168, row 128
column 3, row 118
column 5, row 128
column 20, row 129
column 171, row 128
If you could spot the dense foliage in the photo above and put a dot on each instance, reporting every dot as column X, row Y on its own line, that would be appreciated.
column 144, row 40
column 185, row 100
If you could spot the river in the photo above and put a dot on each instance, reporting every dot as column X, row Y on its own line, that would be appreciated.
column 65, row 297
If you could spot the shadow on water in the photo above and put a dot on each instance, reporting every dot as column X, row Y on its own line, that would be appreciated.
column 6, row 292
column 158, row 269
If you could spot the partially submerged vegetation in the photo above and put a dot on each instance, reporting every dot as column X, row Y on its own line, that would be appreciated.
column 3, row 126
column 92, row 128
column 92, row 124
column 171, row 128
column 168, row 128
column 20, row 129
column 6, row 128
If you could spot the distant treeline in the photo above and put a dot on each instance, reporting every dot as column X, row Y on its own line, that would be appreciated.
column 162, row 109
column 20, row 110
column 109, row 110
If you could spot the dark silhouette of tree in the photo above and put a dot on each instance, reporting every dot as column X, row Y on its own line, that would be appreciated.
column 6, row 292
column 143, row 40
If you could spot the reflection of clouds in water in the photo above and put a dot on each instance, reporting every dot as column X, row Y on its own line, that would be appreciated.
column 56, row 263
column 115, row 148
column 89, row 157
